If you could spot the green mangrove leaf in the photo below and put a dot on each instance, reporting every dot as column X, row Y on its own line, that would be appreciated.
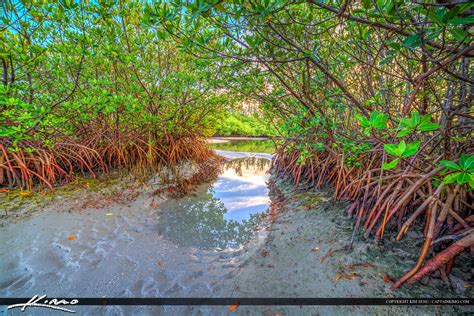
column 450, row 165
column 405, row 132
column 402, row 146
column 411, row 149
column 412, row 41
column 390, row 165
column 452, row 178
column 462, row 21
column 467, row 162
column 392, row 149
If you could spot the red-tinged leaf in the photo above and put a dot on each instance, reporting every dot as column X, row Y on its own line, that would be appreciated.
column 347, row 276
column 71, row 237
column 4, row 190
column 386, row 279
column 233, row 307
column 160, row 263
column 365, row 265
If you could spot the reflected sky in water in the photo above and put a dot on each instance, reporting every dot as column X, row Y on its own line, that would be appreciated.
column 242, row 188
column 220, row 214
column 253, row 146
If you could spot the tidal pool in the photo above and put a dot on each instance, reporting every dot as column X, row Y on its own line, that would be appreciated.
column 190, row 246
column 222, row 214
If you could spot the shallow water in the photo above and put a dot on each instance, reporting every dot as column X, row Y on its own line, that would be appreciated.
column 184, row 247
column 223, row 214
column 254, row 146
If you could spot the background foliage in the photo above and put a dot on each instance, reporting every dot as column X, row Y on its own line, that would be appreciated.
column 88, row 86
column 236, row 124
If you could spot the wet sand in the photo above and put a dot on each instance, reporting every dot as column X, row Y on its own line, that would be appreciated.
column 126, row 242
column 146, row 246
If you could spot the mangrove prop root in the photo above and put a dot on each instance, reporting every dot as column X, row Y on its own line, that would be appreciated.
column 424, row 252
column 444, row 257
column 95, row 151
column 383, row 201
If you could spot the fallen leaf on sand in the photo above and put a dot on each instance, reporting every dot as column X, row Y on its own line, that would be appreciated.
column 347, row 276
column 109, row 214
column 132, row 188
column 386, row 279
column 233, row 307
column 154, row 204
column 365, row 265
column 160, row 264
column 71, row 237
column 330, row 252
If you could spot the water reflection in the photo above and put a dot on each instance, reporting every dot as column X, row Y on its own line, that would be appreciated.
column 222, row 214
column 242, row 188
column 254, row 146
column 248, row 165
